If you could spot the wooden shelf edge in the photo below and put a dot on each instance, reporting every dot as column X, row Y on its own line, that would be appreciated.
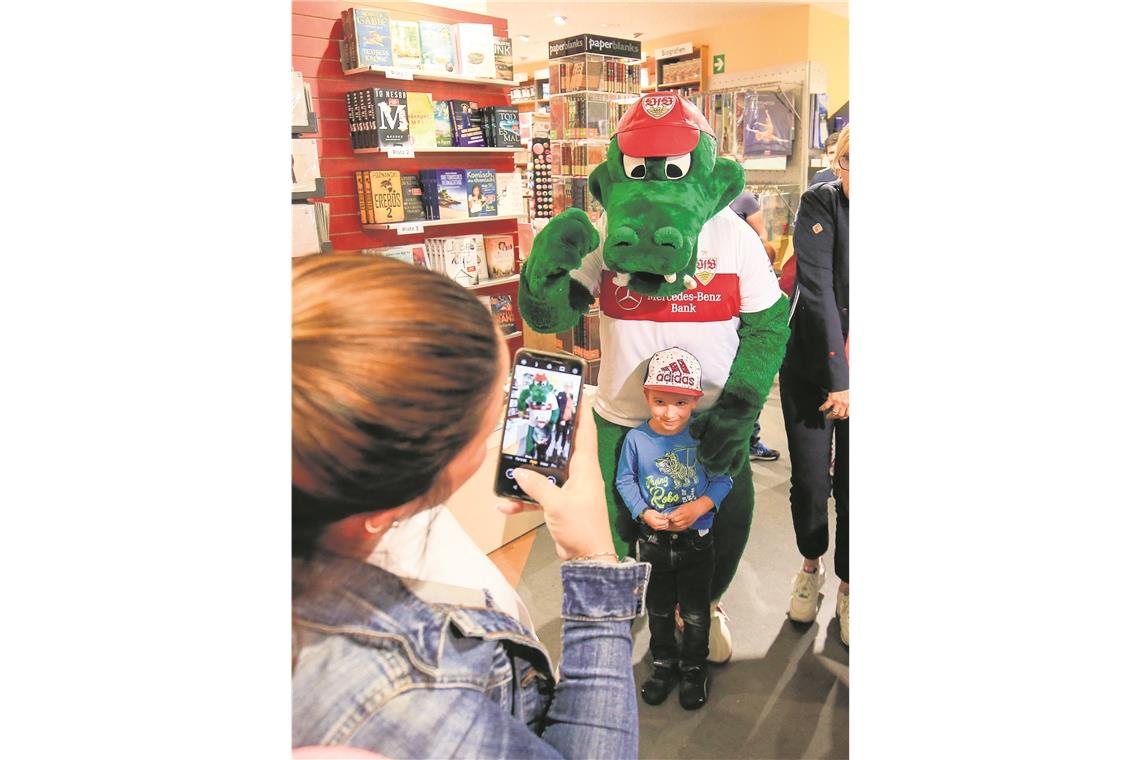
column 380, row 151
column 445, row 222
column 493, row 283
column 430, row 76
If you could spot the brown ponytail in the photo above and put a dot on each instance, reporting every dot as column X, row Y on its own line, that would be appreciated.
column 392, row 367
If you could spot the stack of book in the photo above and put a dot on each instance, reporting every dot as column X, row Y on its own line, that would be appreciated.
column 387, row 197
column 460, row 257
column 469, row 193
column 378, row 117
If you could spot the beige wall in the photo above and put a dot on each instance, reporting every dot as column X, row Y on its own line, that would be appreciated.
column 828, row 42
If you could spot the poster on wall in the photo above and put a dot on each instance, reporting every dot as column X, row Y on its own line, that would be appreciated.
column 768, row 124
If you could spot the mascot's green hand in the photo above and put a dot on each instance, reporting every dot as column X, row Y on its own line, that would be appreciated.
column 723, row 431
column 550, row 300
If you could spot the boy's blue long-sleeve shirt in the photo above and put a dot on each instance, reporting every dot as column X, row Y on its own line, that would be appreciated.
column 661, row 472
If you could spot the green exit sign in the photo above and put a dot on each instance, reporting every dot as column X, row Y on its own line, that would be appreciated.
column 718, row 64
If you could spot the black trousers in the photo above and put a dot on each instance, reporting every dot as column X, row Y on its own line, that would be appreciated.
column 682, row 573
column 810, row 436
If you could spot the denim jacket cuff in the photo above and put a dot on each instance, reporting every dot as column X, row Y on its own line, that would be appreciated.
column 603, row 590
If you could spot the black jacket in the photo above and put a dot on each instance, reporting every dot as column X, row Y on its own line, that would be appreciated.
column 820, row 302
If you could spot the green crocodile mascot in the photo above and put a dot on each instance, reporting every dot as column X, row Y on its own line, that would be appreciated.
column 537, row 402
column 672, row 265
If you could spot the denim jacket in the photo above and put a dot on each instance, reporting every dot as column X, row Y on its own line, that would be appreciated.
column 378, row 667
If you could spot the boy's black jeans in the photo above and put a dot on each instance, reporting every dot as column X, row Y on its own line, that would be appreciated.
column 682, row 573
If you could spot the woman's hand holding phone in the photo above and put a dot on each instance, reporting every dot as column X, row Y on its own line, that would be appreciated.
column 576, row 513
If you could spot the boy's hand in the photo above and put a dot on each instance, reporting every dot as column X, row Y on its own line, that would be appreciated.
column 688, row 513
column 655, row 520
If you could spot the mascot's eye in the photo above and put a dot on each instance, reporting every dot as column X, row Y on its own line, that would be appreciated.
column 677, row 166
column 634, row 167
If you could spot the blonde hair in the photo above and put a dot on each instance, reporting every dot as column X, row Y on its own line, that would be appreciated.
column 393, row 367
column 842, row 147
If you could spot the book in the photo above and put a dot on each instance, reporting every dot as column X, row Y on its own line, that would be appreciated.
column 421, row 120
column 501, row 126
column 508, row 193
column 503, row 309
column 306, row 168
column 387, row 197
column 504, row 59
column 413, row 198
column 429, row 184
column 406, row 44
column 451, row 191
column 413, row 253
column 442, row 116
column 367, row 37
column 481, row 192
column 769, row 124
column 437, row 48
column 461, row 257
column 361, row 197
column 465, row 132
column 475, row 50
column 500, row 255
column 369, row 208
column 392, row 117
column 305, row 237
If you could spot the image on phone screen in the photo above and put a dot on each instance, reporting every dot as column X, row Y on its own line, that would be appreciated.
column 542, row 411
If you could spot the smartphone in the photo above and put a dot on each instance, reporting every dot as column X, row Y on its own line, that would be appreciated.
column 542, row 415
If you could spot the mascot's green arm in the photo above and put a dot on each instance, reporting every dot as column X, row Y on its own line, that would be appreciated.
column 724, row 430
column 550, row 300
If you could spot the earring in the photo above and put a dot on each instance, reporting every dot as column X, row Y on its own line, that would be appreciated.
column 368, row 526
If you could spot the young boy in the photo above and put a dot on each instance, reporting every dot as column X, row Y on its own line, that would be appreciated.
column 673, row 500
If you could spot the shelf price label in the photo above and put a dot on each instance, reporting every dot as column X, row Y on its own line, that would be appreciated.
column 409, row 228
column 398, row 73
column 400, row 151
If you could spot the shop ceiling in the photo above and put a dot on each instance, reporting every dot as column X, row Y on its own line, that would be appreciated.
column 629, row 19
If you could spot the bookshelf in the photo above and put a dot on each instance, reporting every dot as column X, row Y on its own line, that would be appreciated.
column 462, row 151
column 310, row 218
column 408, row 75
column 443, row 223
column 682, row 67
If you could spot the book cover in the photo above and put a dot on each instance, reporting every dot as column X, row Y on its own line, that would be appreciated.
column 503, row 309
column 461, row 257
column 481, row 193
column 505, row 126
column 500, row 255
column 508, row 193
column 306, row 167
column 465, row 130
column 413, row 198
column 406, row 44
column 768, row 125
column 392, row 117
column 305, row 236
column 437, row 48
column 504, row 59
column 475, row 49
column 429, row 179
column 361, row 197
column 451, row 191
column 442, row 117
column 421, row 119
column 387, row 197
column 369, row 207
column 368, row 36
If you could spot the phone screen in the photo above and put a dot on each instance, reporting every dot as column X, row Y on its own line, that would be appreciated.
column 542, row 414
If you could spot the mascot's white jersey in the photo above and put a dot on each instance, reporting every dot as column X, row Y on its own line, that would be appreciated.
column 734, row 276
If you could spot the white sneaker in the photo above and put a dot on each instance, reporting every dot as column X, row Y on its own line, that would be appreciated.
column 842, row 603
column 720, row 639
column 805, row 594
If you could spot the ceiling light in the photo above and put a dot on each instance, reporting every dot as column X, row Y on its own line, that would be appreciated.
column 637, row 34
column 560, row 20
column 524, row 38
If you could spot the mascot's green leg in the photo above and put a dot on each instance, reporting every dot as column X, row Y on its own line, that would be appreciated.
column 731, row 527
column 622, row 526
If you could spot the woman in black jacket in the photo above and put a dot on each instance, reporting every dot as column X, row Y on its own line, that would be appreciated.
column 814, row 388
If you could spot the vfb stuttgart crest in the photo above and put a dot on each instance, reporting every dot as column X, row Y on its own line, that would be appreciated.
column 658, row 105
column 706, row 267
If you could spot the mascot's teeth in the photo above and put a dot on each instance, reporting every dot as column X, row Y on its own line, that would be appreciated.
column 690, row 283
column 621, row 279
column 671, row 278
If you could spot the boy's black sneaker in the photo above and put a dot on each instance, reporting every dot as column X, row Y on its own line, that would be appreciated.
column 694, row 686
column 656, row 688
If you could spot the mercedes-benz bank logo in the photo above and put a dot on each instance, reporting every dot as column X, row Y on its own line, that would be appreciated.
column 627, row 299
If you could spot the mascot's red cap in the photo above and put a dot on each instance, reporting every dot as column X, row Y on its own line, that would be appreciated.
column 661, row 124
